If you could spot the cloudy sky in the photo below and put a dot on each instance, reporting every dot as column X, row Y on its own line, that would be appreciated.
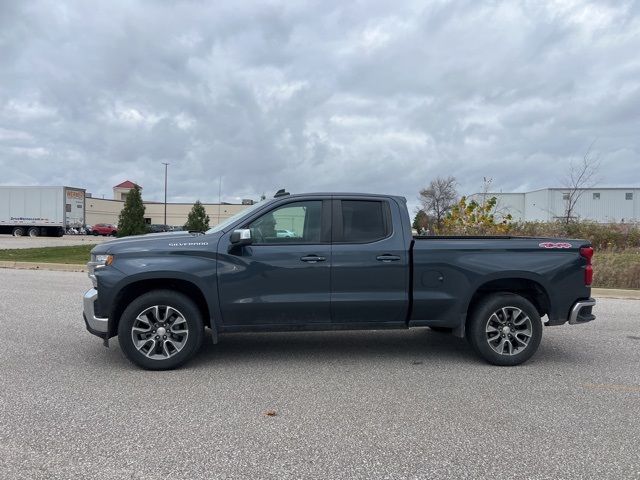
column 374, row 96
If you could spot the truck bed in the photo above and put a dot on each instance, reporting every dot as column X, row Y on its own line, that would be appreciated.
column 449, row 270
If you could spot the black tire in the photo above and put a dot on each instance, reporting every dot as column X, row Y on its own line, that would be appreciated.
column 34, row 232
column 185, row 306
column 18, row 232
column 510, row 336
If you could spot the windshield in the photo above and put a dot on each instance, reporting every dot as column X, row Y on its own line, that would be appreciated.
column 222, row 225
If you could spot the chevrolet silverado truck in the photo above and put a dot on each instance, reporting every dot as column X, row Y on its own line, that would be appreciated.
column 349, row 261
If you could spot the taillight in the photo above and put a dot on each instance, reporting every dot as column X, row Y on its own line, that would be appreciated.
column 587, row 253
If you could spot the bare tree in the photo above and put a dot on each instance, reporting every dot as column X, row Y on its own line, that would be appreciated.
column 581, row 175
column 438, row 198
column 499, row 210
column 486, row 188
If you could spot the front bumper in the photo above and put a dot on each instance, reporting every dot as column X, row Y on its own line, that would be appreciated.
column 96, row 325
column 581, row 312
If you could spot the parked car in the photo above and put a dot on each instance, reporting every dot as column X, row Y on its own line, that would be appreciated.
column 158, row 228
column 354, row 264
column 104, row 229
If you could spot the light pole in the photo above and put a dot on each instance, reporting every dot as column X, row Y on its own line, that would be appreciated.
column 165, row 192
column 219, row 197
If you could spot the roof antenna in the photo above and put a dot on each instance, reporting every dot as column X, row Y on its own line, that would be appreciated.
column 281, row 193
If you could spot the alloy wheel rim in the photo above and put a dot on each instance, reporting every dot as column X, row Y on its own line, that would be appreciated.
column 160, row 332
column 508, row 331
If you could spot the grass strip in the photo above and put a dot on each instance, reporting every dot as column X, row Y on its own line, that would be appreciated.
column 72, row 254
column 617, row 269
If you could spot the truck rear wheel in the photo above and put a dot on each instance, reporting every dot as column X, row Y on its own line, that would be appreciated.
column 160, row 330
column 18, row 232
column 505, row 329
column 34, row 232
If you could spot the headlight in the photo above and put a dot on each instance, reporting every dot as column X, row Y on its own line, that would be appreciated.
column 97, row 261
column 102, row 260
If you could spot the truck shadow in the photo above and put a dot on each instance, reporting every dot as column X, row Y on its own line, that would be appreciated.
column 416, row 346
column 413, row 347
column 327, row 347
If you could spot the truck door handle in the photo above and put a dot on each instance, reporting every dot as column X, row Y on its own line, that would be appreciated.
column 387, row 258
column 312, row 259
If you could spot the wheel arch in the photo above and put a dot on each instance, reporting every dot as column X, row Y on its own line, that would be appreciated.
column 528, row 288
column 139, row 287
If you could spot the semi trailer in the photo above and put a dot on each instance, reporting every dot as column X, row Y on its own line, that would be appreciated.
column 36, row 211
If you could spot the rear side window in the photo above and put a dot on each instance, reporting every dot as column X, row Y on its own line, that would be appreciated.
column 364, row 221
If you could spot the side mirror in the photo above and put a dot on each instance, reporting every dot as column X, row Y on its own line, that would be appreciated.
column 241, row 237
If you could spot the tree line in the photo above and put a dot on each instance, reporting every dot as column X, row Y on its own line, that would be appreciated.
column 131, row 218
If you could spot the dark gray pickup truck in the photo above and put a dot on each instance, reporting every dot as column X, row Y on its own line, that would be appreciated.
column 332, row 261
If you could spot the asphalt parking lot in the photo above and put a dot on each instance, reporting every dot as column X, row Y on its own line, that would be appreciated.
column 353, row 405
column 9, row 241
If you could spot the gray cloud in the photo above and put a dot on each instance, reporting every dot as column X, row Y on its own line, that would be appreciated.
column 375, row 96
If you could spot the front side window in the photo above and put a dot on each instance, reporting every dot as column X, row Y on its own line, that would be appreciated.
column 225, row 223
column 298, row 222
column 364, row 221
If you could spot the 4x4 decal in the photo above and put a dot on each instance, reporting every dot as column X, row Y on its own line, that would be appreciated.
column 555, row 245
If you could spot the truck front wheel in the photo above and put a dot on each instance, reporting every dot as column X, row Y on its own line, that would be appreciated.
column 505, row 329
column 160, row 330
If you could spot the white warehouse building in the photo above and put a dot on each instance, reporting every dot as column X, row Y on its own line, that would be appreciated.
column 603, row 205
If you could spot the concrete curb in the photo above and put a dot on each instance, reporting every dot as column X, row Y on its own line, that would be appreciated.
column 58, row 267
column 63, row 267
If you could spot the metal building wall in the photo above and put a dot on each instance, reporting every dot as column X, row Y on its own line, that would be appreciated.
column 611, row 206
column 547, row 205
column 538, row 206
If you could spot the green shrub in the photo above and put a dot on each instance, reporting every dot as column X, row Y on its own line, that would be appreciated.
column 473, row 218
